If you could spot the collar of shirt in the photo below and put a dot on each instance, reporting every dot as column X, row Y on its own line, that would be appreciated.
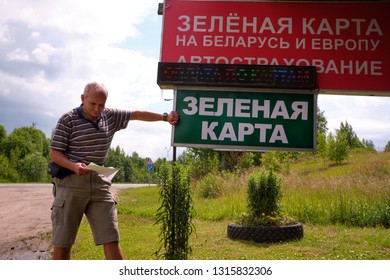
column 80, row 114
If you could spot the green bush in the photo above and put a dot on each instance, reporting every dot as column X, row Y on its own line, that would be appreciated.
column 7, row 173
column 264, row 193
column 34, row 168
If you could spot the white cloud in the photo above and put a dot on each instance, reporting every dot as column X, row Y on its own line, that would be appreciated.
column 113, row 20
column 35, row 35
column 18, row 55
column 43, row 52
column 5, row 36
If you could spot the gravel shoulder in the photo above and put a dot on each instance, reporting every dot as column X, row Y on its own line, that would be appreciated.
column 25, row 223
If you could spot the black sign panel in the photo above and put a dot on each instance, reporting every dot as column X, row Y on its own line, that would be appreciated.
column 236, row 75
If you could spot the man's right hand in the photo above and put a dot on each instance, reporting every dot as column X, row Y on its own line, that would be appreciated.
column 77, row 167
column 81, row 169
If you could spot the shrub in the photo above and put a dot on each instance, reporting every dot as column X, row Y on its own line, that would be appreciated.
column 209, row 187
column 263, row 201
column 264, row 193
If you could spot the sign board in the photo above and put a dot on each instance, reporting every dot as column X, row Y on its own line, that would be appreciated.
column 347, row 42
column 245, row 120
column 150, row 166
column 171, row 75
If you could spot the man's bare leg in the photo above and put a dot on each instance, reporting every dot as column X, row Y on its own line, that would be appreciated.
column 113, row 251
column 61, row 253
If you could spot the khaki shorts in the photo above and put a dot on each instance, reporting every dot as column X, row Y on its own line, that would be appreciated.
column 75, row 196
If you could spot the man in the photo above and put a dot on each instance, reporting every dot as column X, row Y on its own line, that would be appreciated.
column 82, row 136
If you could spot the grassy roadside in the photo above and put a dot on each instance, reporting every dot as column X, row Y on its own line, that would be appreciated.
column 321, row 242
column 343, row 209
column 140, row 241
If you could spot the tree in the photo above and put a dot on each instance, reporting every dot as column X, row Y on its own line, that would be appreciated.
column 7, row 173
column 247, row 161
column 139, row 167
column 322, row 148
column 387, row 147
column 24, row 151
column 116, row 158
column 200, row 161
column 3, row 133
column 33, row 168
column 322, row 123
column 231, row 159
column 368, row 145
column 23, row 141
column 352, row 139
column 131, row 168
column 338, row 148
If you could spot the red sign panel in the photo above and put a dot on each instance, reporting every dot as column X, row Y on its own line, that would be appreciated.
column 348, row 43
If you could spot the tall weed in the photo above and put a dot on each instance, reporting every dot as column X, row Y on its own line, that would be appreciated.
column 175, row 213
column 354, row 194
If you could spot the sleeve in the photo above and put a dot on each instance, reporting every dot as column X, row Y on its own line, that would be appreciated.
column 121, row 118
column 61, row 134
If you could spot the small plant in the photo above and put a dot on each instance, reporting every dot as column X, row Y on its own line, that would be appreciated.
column 175, row 213
column 264, row 195
column 264, row 223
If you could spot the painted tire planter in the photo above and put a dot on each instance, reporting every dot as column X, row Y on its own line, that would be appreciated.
column 265, row 234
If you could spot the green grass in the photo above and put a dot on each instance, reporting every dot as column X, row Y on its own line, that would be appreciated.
column 356, row 193
column 140, row 240
column 345, row 211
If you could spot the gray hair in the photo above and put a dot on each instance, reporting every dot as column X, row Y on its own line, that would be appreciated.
column 95, row 87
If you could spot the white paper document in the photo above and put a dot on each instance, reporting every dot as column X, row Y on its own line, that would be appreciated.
column 108, row 172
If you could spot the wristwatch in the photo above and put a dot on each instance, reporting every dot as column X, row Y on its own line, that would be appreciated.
column 165, row 117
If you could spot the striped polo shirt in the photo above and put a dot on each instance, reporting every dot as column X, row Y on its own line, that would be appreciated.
column 82, row 140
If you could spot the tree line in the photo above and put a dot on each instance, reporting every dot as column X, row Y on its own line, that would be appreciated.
column 24, row 155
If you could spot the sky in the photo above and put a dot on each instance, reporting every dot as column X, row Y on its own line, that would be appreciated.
column 50, row 49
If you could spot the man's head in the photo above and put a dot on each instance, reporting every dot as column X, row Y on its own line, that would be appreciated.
column 94, row 99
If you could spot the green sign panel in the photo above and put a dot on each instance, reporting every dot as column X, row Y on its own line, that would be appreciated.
column 242, row 120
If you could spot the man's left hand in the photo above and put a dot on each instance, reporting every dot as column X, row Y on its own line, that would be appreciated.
column 173, row 118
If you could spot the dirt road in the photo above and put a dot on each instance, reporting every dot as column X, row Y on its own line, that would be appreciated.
column 25, row 222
